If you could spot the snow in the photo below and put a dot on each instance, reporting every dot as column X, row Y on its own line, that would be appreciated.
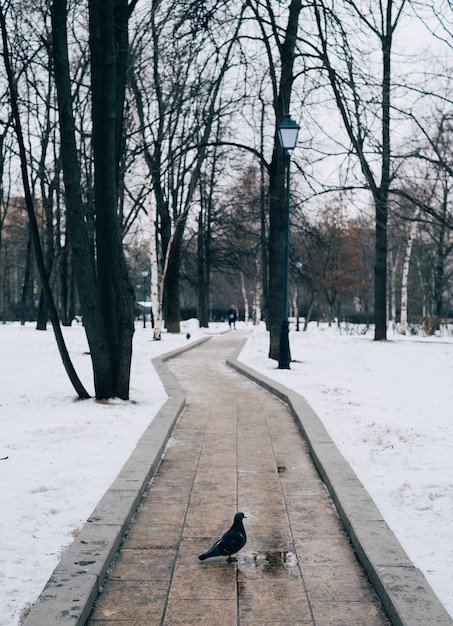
column 388, row 406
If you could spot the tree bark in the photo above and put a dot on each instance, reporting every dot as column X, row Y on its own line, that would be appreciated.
column 108, row 39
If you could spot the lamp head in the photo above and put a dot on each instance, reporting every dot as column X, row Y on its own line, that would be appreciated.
column 288, row 131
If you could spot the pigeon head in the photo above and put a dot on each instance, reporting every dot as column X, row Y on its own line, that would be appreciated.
column 239, row 517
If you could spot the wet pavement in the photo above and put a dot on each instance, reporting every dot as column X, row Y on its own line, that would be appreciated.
column 236, row 448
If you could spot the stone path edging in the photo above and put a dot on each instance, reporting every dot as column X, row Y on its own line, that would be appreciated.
column 403, row 590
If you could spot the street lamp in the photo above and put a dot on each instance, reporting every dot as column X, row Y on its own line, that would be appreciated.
column 287, row 134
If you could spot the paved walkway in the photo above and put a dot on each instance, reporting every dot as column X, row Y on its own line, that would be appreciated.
column 235, row 448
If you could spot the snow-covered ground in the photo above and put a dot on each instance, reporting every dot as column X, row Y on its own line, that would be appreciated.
column 388, row 406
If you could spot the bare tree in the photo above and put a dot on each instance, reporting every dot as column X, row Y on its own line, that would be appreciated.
column 204, row 237
column 106, row 295
column 331, row 261
column 337, row 24
column 237, row 239
column 78, row 386
column 424, row 206
column 179, row 116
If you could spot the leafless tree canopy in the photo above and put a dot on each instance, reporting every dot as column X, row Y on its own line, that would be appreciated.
column 150, row 138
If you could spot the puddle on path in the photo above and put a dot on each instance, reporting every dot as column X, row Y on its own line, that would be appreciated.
column 272, row 563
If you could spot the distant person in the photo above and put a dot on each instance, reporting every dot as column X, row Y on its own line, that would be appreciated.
column 232, row 316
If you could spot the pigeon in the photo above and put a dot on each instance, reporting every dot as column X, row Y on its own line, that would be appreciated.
column 230, row 543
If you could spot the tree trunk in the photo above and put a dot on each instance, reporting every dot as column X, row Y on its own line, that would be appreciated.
column 108, row 25
column 26, row 300
column 202, row 271
column 405, row 273
column 256, row 305
column 43, row 314
column 381, row 198
column 64, row 286
column 171, row 289
column 380, row 272
column 263, row 232
column 391, row 280
column 245, row 299
column 442, row 252
column 309, row 312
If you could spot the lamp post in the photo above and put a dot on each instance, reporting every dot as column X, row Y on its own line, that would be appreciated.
column 287, row 133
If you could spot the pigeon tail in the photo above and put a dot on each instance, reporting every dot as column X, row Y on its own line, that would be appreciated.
column 218, row 549
column 230, row 543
